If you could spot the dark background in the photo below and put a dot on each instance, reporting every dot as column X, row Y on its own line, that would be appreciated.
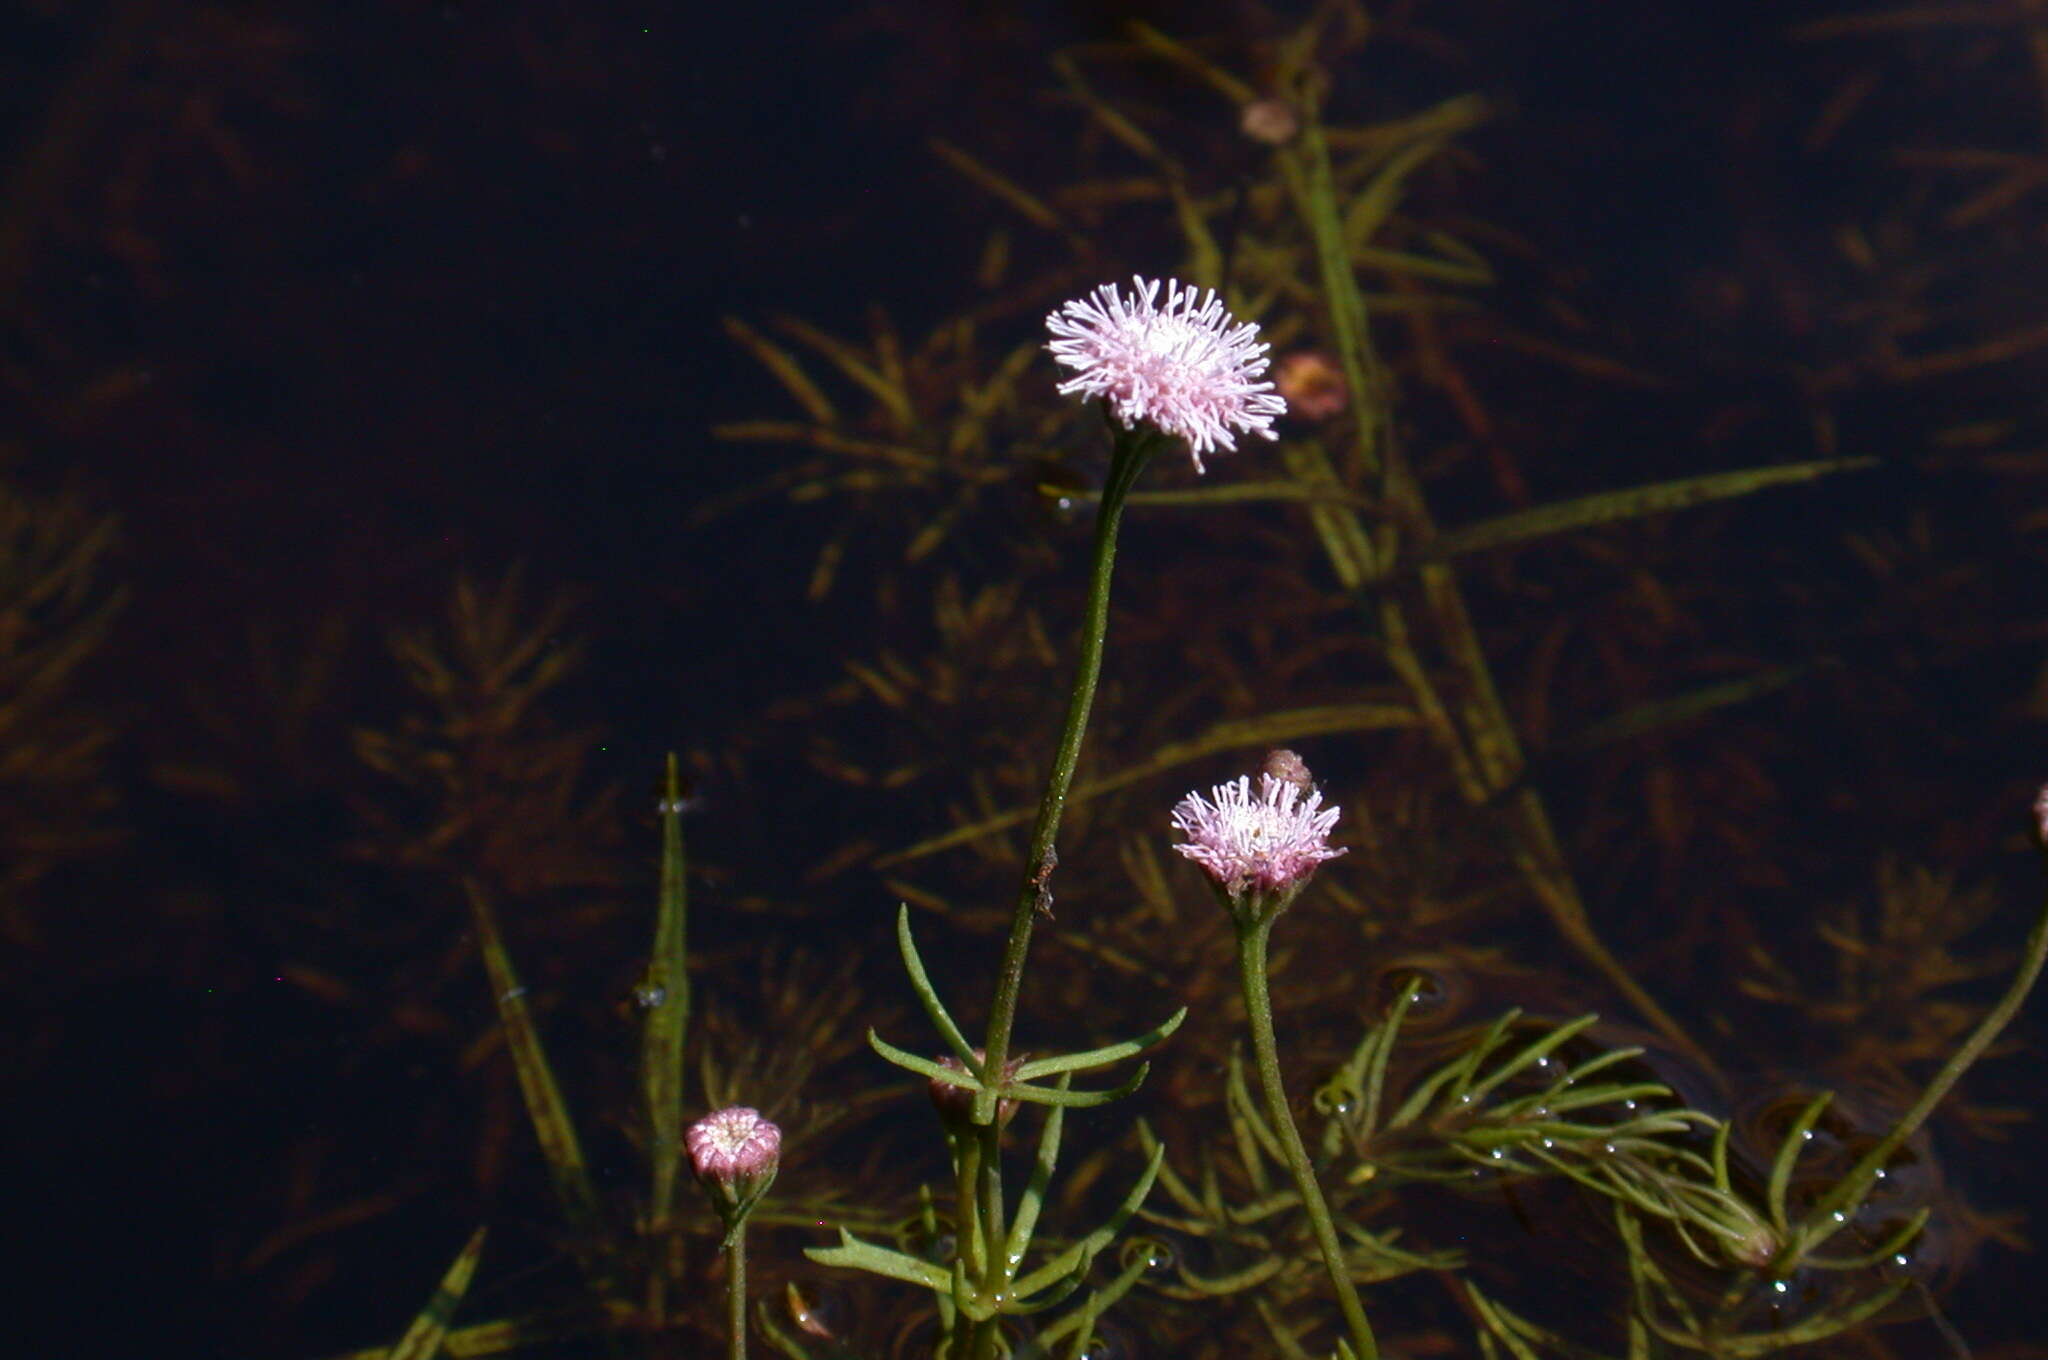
column 328, row 302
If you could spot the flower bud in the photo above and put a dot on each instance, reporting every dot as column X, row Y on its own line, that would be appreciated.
column 955, row 1104
column 1312, row 385
column 1272, row 121
column 734, row 1153
column 1289, row 768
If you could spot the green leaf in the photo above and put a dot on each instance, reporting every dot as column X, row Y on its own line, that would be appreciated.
column 665, row 994
column 1102, row 1057
column 1662, row 713
column 423, row 1339
column 1533, row 1053
column 924, row 1067
column 1075, row 1260
column 1033, row 1198
column 921, row 983
column 1788, row 1157
column 544, row 1104
column 1074, row 1100
column 1606, row 507
column 855, row 1254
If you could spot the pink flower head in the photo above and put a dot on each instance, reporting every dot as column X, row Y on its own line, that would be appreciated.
column 733, row 1144
column 1270, row 843
column 1186, row 367
column 2041, row 814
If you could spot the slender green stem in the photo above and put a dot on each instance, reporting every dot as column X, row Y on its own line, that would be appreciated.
column 736, row 1294
column 1850, row 1189
column 1258, row 1003
column 1132, row 448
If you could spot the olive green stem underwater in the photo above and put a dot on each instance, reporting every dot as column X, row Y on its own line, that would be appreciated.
column 1133, row 447
column 736, row 1293
column 1252, row 934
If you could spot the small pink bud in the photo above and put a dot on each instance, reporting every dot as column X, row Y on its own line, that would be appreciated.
column 734, row 1142
column 2041, row 814
column 956, row 1103
column 1312, row 385
column 1272, row 121
column 1289, row 768
column 735, row 1153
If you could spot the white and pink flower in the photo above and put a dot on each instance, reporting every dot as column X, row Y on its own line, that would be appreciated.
column 1185, row 366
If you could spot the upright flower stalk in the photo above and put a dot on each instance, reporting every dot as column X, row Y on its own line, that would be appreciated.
column 1259, row 850
column 735, row 1154
column 1168, row 364
column 1182, row 369
column 1185, row 369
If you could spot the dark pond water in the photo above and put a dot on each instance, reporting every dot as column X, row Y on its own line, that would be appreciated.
column 376, row 516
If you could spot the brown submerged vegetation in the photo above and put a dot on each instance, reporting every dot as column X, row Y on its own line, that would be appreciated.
column 1645, row 691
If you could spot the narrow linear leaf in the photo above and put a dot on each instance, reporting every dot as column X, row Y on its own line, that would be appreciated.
column 1606, row 507
column 1033, row 1199
column 665, row 997
column 922, row 1066
column 786, row 369
column 1032, row 208
column 1102, row 1057
column 1679, row 708
column 1074, row 1261
column 921, row 983
column 1788, row 1157
column 854, row 1254
column 1535, row 1052
column 849, row 361
column 544, row 1105
column 1075, row 1100
column 422, row 1340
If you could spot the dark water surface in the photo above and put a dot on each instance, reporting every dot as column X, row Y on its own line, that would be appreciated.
column 329, row 305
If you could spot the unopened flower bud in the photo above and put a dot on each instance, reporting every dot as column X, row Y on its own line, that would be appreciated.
column 1272, row 121
column 1289, row 768
column 955, row 1104
column 1312, row 385
column 735, row 1153
column 2041, row 814
column 1756, row 1247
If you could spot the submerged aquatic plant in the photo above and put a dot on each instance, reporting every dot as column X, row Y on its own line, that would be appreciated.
column 1701, row 1231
